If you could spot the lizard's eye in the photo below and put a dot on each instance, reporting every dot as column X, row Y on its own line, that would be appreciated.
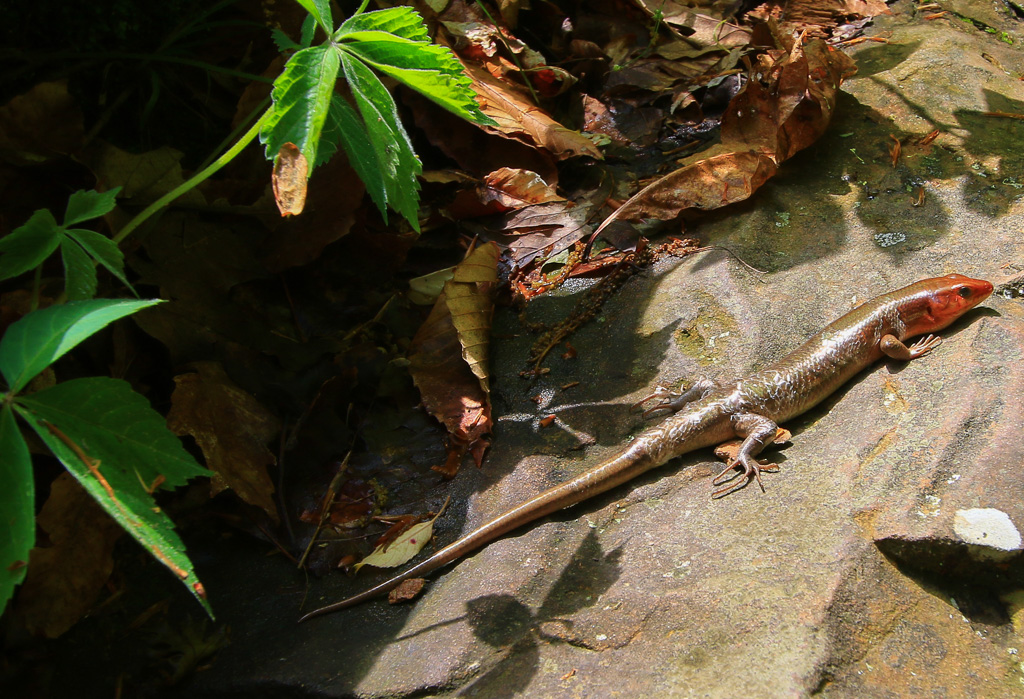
column 964, row 291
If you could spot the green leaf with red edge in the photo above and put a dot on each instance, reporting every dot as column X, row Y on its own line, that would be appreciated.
column 302, row 96
column 17, row 505
column 119, row 449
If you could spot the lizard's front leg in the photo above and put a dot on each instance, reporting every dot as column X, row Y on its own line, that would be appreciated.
column 757, row 432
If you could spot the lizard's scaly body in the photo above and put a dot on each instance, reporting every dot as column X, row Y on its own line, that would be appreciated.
column 749, row 408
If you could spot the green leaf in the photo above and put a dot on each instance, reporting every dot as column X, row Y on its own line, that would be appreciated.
column 431, row 70
column 40, row 338
column 320, row 10
column 283, row 42
column 83, row 205
column 27, row 246
column 344, row 126
column 399, row 164
column 302, row 96
column 103, row 250
column 400, row 21
column 117, row 446
column 17, row 505
column 79, row 272
column 308, row 31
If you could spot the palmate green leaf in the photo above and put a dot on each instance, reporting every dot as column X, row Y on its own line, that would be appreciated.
column 431, row 70
column 40, row 338
column 117, row 447
column 103, row 250
column 400, row 21
column 302, row 96
column 345, row 127
column 27, row 246
column 320, row 10
column 17, row 505
column 399, row 164
column 80, row 280
column 83, row 205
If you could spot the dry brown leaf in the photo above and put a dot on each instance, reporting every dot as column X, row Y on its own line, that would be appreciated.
column 42, row 123
column 448, row 357
column 407, row 590
column 518, row 118
column 64, row 578
column 469, row 302
column 513, row 188
column 231, row 427
column 544, row 229
column 289, row 180
column 707, row 184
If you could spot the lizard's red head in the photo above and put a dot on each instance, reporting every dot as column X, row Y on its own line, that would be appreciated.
column 943, row 300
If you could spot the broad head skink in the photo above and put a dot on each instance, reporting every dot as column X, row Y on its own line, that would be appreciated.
column 750, row 408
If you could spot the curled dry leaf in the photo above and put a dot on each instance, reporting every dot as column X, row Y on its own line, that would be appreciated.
column 518, row 118
column 64, row 578
column 231, row 427
column 448, row 356
column 290, row 176
column 513, row 188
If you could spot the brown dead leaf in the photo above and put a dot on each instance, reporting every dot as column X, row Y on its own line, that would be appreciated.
column 518, row 118
column 514, row 188
column 289, row 179
column 231, row 427
column 791, row 106
column 42, row 123
column 469, row 302
column 543, row 229
column 709, row 183
column 502, row 190
column 476, row 150
column 448, row 356
column 407, row 590
column 65, row 578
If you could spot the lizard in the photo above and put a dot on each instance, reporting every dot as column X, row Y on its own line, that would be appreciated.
column 750, row 408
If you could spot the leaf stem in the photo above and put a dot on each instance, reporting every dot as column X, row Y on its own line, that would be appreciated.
column 193, row 181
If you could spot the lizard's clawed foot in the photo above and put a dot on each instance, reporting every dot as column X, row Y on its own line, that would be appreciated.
column 747, row 467
column 924, row 346
column 667, row 401
column 674, row 401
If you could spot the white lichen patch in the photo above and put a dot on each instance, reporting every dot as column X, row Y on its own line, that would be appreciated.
column 990, row 529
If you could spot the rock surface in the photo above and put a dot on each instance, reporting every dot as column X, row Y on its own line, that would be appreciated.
column 882, row 561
